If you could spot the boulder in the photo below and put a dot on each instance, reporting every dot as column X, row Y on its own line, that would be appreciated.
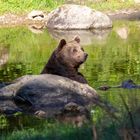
column 72, row 16
column 49, row 95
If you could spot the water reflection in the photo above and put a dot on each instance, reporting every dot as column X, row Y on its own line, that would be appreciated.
column 4, row 55
column 87, row 37
column 123, row 32
column 36, row 28
column 11, row 71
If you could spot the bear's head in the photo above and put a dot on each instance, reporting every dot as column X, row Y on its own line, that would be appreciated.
column 71, row 53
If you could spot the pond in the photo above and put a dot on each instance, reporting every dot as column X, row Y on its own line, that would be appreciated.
column 113, row 58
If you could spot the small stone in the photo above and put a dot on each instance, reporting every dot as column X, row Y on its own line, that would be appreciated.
column 40, row 113
column 36, row 15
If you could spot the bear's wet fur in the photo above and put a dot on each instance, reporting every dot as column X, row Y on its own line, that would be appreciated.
column 66, row 59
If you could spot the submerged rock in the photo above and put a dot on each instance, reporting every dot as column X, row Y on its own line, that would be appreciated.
column 72, row 16
column 126, row 84
column 49, row 95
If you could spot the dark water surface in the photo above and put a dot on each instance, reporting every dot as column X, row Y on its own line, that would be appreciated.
column 114, row 56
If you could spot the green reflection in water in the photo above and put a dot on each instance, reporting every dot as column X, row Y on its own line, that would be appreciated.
column 110, row 61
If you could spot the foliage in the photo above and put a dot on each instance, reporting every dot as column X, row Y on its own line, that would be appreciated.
column 3, row 122
column 51, row 130
column 111, row 5
column 24, row 6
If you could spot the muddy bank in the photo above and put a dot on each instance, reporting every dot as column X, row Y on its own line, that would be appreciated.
column 9, row 20
column 127, row 14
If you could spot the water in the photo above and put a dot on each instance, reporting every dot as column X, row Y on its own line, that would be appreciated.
column 113, row 58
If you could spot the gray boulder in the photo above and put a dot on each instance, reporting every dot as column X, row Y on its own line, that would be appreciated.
column 49, row 96
column 72, row 16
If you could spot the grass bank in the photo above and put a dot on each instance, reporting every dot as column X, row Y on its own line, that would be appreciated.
column 25, row 6
column 112, row 5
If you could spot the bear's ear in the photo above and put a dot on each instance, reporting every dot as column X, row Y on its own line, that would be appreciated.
column 62, row 43
column 77, row 39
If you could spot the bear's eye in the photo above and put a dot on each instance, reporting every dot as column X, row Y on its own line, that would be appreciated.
column 74, row 50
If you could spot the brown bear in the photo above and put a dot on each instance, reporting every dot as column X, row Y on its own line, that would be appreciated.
column 66, row 59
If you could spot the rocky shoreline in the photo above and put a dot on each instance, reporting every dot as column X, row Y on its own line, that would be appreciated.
column 9, row 20
column 39, row 18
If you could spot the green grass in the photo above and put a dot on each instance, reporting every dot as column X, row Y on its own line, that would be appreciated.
column 25, row 6
column 50, row 131
column 111, row 5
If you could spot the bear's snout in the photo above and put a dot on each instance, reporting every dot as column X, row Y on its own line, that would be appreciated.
column 86, row 55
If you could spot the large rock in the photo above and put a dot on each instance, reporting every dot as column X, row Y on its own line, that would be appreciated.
column 48, row 96
column 77, row 17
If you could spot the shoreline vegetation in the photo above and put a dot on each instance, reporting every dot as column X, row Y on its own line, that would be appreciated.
column 25, row 6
